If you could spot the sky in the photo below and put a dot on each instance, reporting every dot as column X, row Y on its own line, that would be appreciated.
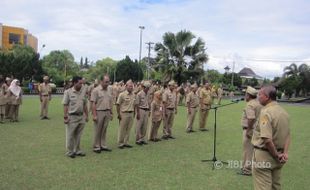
column 265, row 36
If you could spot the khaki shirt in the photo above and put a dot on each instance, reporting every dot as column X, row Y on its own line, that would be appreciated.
column 156, row 111
column 273, row 124
column 251, row 111
column 126, row 101
column 143, row 100
column 2, row 94
column 76, row 100
column 45, row 89
column 170, row 98
column 205, row 95
column 102, row 98
column 193, row 99
column 90, row 90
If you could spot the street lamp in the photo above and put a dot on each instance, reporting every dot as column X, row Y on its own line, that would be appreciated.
column 141, row 28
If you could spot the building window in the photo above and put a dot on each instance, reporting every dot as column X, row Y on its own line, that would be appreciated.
column 14, row 38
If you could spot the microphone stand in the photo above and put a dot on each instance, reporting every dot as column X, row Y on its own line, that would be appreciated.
column 214, row 159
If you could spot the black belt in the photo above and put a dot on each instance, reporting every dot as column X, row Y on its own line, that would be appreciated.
column 170, row 108
column 104, row 110
column 145, row 109
column 244, row 128
column 78, row 114
column 127, row 111
column 45, row 95
column 265, row 149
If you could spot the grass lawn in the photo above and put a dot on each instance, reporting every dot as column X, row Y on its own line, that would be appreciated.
column 32, row 155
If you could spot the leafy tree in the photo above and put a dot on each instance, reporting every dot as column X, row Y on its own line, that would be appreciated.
column 289, row 84
column 60, row 66
column 301, row 74
column 227, row 79
column 104, row 66
column 21, row 62
column 214, row 76
column 178, row 54
column 127, row 69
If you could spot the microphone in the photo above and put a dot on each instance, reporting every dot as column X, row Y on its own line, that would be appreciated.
column 237, row 100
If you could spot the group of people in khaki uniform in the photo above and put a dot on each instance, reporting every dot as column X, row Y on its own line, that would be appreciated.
column 265, row 124
column 266, row 138
column 10, row 99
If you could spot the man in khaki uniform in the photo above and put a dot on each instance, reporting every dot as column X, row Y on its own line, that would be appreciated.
column 205, row 96
column 125, row 106
column 2, row 99
column 8, row 99
column 271, row 139
column 170, row 109
column 102, row 110
column 45, row 92
column 249, row 117
column 75, row 115
column 219, row 94
column 143, row 113
column 192, row 102
column 90, row 90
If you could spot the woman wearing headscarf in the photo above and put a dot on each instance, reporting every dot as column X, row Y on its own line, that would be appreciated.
column 15, row 95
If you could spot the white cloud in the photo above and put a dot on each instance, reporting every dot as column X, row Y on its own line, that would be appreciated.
column 233, row 30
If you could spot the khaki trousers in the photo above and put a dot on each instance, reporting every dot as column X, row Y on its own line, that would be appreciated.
column 168, row 122
column 204, row 112
column 74, row 131
column 154, row 129
column 191, row 118
column 141, row 125
column 124, row 128
column 247, row 153
column 14, row 112
column 7, row 110
column 265, row 178
column 44, row 106
column 100, row 129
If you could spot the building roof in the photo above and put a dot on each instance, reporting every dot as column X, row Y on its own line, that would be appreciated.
column 248, row 73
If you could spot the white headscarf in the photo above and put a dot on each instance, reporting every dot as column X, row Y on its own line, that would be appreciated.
column 14, row 88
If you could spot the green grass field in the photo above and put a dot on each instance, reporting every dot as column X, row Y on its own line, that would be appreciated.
column 32, row 155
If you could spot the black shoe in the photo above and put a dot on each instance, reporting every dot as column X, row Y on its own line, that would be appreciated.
column 97, row 151
column 121, row 147
column 106, row 149
column 171, row 137
column 244, row 173
column 192, row 131
column 47, row 118
column 82, row 154
column 143, row 142
column 127, row 146
column 157, row 140
column 71, row 155
column 139, row 143
column 204, row 130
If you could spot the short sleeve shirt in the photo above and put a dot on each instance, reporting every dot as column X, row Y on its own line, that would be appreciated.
column 126, row 101
column 251, row 111
column 76, row 100
column 273, row 124
column 143, row 100
column 45, row 89
column 205, row 95
column 193, row 99
column 102, row 98
column 169, row 98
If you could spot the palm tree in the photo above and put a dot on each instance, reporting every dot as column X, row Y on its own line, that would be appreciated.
column 301, row 72
column 177, row 54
